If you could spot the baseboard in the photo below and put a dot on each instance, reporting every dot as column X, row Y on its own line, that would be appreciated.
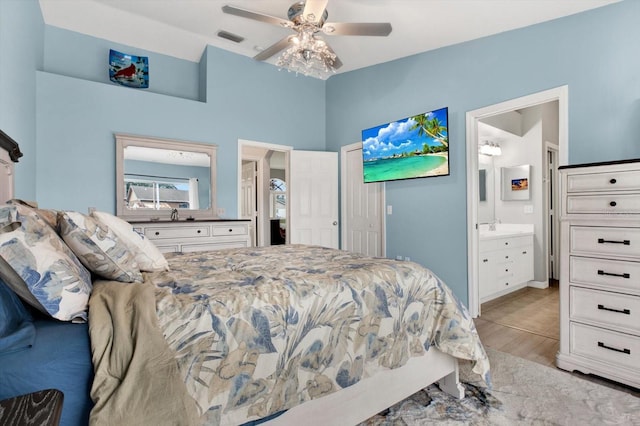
column 538, row 284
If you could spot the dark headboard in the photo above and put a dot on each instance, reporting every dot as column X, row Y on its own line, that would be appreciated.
column 11, row 146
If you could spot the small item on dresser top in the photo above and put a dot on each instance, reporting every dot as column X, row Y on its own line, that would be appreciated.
column 174, row 215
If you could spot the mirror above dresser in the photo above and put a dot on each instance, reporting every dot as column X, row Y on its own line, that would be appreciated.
column 164, row 179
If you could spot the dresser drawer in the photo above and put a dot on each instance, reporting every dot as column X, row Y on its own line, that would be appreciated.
column 154, row 233
column 609, row 181
column 606, row 309
column 602, row 240
column 190, row 248
column 617, row 275
column 605, row 345
column 608, row 204
column 220, row 230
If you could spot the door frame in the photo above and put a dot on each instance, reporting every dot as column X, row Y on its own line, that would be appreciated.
column 263, row 216
column 554, row 224
column 560, row 94
column 344, row 172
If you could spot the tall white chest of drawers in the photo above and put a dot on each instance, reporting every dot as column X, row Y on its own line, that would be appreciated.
column 600, row 270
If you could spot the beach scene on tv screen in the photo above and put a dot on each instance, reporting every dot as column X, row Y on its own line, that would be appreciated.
column 414, row 147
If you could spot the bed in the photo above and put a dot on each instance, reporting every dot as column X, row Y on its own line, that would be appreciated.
column 286, row 334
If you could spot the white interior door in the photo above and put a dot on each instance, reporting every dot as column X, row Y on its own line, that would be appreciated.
column 248, row 206
column 313, row 190
column 362, row 207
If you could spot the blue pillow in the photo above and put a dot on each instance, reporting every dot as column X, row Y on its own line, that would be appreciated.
column 17, row 331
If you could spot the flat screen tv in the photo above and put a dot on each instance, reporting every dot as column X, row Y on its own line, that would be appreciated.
column 414, row 147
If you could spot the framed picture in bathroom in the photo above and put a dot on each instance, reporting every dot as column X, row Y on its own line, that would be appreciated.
column 515, row 183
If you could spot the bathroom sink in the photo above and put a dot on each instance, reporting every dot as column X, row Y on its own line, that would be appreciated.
column 505, row 230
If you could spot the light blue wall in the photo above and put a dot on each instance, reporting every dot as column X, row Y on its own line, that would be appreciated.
column 80, row 56
column 77, row 118
column 21, row 52
column 594, row 53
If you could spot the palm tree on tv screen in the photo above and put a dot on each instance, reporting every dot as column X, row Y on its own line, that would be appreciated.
column 431, row 127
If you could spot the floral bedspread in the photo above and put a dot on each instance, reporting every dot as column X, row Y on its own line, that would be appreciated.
column 260, row 330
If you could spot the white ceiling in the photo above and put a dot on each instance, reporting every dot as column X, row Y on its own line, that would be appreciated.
column 182, row 28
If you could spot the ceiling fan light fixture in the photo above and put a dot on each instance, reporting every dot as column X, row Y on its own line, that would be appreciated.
column 308, row 55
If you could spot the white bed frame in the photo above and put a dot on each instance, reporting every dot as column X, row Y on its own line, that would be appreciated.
column 368, row 397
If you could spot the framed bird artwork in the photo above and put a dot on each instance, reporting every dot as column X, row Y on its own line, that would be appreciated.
column 129, row 70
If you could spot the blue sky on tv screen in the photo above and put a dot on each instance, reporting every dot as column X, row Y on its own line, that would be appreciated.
column 399, row 136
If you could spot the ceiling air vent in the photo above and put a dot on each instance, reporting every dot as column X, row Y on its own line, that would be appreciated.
column 229, row 36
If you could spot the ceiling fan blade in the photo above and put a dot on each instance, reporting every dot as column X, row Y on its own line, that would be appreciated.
column 231, row 10
column 314, row 9
column 273, row 49
column 381, row 29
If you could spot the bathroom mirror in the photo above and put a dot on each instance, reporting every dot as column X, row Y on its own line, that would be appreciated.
column 515, row 182
column 155, row 177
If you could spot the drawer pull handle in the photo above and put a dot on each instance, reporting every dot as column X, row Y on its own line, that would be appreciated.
column 157, row 233
column 603, row 241
column 524, row 252
column 612, row 181
column 620, row 311
column 485, row 260
column 625, row 350
column 230, row 230
column 199, row 231
column 613, row 204
column 625, row 275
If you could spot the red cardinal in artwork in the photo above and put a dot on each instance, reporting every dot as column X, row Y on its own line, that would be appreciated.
column 128, row 72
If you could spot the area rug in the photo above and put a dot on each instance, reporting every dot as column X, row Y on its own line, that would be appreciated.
column 523, row 393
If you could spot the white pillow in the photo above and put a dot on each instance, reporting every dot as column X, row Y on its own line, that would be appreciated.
column 146, row 253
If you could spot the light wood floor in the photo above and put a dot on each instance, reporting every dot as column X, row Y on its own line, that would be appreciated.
column 526, row 324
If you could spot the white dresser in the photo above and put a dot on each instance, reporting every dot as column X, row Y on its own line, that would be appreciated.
column 190, row 236
column 600, row 270
column 506, row 263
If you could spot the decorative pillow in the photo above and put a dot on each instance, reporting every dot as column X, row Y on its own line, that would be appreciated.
column 43, row 271
column 49, row 216
column 17, row 331
column 147, row 255
column 98, row 248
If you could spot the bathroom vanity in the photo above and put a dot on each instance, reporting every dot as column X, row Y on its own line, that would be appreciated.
column 506, row 259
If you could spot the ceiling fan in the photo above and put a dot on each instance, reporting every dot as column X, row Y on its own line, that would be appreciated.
column 308, row 19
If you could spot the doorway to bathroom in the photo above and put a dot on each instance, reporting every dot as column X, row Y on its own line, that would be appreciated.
column 513, row 152
column 524, row 129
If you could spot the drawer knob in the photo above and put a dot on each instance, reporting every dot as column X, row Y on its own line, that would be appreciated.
column 603, row 241
column 485, row 260
column 230, row 230
column 611, row 348
column 620, row 311
column 612, row 181
column 611, row 274
column 157, row 232
column 613, row 204
column 199, row 231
